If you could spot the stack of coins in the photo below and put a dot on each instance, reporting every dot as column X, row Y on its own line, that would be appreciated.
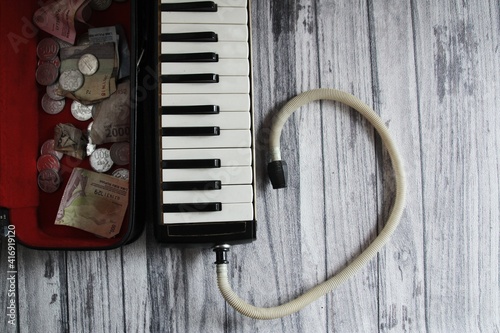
column 48, row 63
column 47, row 74
column 48, row 166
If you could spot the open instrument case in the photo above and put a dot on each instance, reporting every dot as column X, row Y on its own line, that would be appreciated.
column 24, row 126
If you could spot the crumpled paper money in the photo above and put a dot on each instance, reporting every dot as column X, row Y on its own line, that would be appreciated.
column 93, row 202
column 112, row 117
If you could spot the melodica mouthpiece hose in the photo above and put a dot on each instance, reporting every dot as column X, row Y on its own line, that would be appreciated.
column 278, row 178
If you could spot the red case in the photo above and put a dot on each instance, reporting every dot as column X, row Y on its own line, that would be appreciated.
column 24, row 127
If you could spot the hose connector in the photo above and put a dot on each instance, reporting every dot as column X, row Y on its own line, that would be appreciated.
column 221, row 254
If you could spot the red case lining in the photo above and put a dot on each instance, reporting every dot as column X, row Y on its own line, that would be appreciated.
column 24, row 126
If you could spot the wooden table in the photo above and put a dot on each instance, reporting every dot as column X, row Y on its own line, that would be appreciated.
column 431, row 70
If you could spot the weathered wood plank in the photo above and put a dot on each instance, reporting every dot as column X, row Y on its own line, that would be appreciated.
column 401, row 262
column 137, row 307
column 350, row 169
column 95, row 294
column 458, row 70
column 43, row 298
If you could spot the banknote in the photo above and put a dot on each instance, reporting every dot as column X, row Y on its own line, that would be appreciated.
column 112, row 117
column 70, row 140
column 93, row 202
column 58, row 18
column 100, row 85
column 115, row 34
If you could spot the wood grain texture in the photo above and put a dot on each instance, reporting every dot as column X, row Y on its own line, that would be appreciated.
column 42, row 291
column 457, row 68
column 431, row 69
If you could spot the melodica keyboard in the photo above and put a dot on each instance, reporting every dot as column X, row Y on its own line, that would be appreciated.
column 204, row 126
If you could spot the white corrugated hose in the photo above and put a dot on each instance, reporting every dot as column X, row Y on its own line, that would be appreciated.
column 392, row 222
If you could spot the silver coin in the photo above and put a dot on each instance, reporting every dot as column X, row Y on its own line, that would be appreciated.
column 121, row 173
column 48, row 147
column 46, row 74
column 88, row 64
column 54, row 92
column 49, row 180
column 100, row 4
column 81, row 112
column 47, row 49
column 52, row 106
column 71, row 80
column 100, row 160
column 120, row 153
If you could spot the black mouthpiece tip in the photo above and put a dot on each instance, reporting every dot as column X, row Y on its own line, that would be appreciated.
column 278, row 173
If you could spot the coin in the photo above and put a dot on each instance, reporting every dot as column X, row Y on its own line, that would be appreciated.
column 100, row 160
column 49, row 180
column 48, row 161
column 100, row 4
column 46, row 74
column 54, row 61
column 88, row 64
column 81, row 112
column 52, row 106
column 54, row 92
column 120, row 153
column 71, row 80
column 121, row 173
column 47, row 49
column 48, row 149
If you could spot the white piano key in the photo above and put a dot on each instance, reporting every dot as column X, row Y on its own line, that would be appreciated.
column 220, row 3
column 227, row 156
column 228, row 15
column 226, row 85
column 231, row 67
column 226, row 102
column 226, row 139
column 225, row 50
column 229, row 212
column 225, row 120
column 225, row 32
column 227, row 194
column 227, row 175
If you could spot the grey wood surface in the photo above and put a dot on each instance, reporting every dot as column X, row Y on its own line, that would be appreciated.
column 431, row 70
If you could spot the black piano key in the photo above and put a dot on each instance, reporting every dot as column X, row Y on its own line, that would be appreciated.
column 191, row 131
column 190, row 78
column 190, row 109
column 205, row 36
column 190, row 57
column 201, row 185
column 192, row 207
column 191, row 164
column 199, row 6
